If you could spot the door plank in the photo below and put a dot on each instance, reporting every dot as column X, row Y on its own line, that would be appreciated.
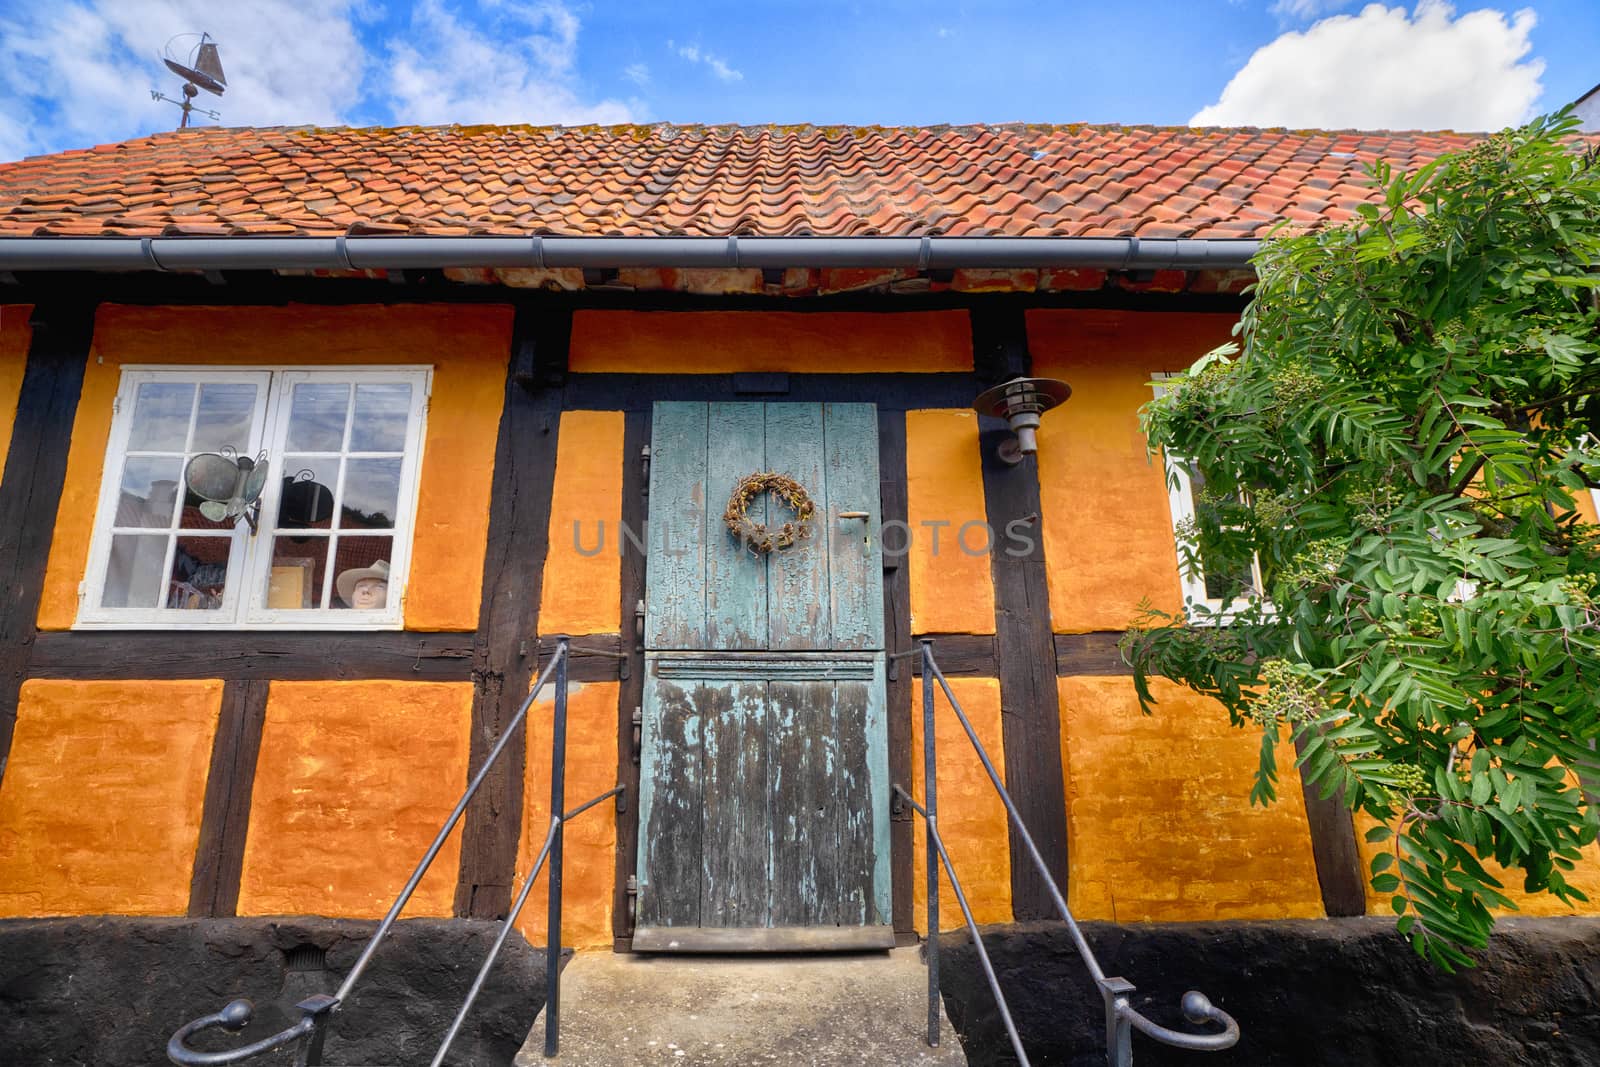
column 855, row 552
column 797, row 578
column 803, row 757
column 852, row 804
column 670, row 802
column 737, row 823
column 736, row 578
column 675, row 583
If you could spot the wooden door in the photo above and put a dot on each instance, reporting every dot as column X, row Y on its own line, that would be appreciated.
column 764, row 791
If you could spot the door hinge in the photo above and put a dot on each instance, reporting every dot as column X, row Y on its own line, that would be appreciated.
column 636, row 745
column 632, row 893
column 644, row 463
column 638, row 620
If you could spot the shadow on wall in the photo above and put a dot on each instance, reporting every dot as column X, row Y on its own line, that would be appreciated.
column 112, row 990
column 1319, row 993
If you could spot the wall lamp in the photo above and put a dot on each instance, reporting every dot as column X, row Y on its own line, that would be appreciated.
column 1020, row 402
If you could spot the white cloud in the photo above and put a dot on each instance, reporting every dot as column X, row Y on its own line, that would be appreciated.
column 79, row 72
column 518, row 67
column 1384, row 69
column 716, row 64
column 82, row 71
column 638, row 74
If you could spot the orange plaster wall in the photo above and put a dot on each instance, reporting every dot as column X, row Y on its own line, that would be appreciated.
column 952, row 590
column 16, row 334
column 583, row 589
column 353, row 781
column 590, row 841
column 467, row 345
column 1107, row 527
column 1159, row 815
column 1586, row 878
column 972, row 819
column 1586, row 509
column 101, row 801
column 723, row 342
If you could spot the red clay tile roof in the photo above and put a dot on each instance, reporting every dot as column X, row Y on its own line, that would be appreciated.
column 1015, row 181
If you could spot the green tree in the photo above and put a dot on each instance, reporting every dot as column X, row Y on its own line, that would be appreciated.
column 1398, row 439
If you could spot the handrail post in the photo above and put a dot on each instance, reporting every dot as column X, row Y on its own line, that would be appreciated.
column 1119, row 1030
column 930, row 792
column 558, row 806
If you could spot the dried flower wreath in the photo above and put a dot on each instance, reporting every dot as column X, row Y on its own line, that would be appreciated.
column 755, row 535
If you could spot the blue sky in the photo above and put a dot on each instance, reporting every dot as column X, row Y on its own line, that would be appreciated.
column 79, row 71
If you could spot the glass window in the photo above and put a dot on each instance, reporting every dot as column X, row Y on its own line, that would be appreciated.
column 333, row 520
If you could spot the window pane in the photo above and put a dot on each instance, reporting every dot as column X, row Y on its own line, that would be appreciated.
column 161, row 416
column 149, row 491
column 316, row 416
column 307, row 500
column 295, row 580
column 225, row 418
column 199, row 573
column 133, row 574
column 371, row 494
column 381, row 414
column 361, row 572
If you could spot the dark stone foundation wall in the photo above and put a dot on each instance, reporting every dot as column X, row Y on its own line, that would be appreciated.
column 1341, row 993
column 111, row 990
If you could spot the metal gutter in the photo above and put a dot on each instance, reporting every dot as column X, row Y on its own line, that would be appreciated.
column 415, row 253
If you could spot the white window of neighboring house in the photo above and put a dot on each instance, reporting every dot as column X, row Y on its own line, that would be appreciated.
column 1219, row 587
column 344, row 447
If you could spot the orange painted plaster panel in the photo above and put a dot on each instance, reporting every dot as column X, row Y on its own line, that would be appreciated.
column 1586, row 506
column 1585, row 877
column 1159, row 814
column 952, row 587
column 723, row 342
column 101, row 802
column 16, row 334
column 1107, row 526
column 972, row 819
column 583, row 571
column 467, row 345
column 590, row 846
column 353, row 781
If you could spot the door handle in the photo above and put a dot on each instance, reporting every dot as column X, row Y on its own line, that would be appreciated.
column 854, row 515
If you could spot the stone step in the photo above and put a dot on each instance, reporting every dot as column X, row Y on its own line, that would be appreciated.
column 707, row 1011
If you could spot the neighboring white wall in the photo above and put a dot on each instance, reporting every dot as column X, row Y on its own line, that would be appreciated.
column 1588, row 110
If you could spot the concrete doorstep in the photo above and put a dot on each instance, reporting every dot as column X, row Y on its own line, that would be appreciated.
column 620, row 1010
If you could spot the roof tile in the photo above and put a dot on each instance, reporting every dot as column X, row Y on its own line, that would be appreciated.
column 1011, row 180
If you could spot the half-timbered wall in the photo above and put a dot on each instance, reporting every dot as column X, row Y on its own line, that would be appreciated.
column 267, row 773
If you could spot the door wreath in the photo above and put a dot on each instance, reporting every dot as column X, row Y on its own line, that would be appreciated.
column 755, row 535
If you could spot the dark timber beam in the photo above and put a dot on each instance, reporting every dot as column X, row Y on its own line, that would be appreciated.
column 287, row 656
column 892, row 505
column 30, row 488
column 630, row 694
column 1024, row 646
column 508, row 621
column 219, row 855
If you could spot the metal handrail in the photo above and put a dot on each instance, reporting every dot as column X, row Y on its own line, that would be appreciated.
column 316, row 1012
column 1122, row 1018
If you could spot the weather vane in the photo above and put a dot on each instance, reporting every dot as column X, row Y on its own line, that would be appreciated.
column 202, row 68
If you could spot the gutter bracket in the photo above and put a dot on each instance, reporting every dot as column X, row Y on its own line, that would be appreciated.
column 733, row 251
column 924, row 253
column 147, row 248
column 536, row 246
column 342, row 250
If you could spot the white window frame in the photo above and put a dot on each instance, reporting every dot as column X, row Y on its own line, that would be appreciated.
column 250, row 556
column 1181, row 507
